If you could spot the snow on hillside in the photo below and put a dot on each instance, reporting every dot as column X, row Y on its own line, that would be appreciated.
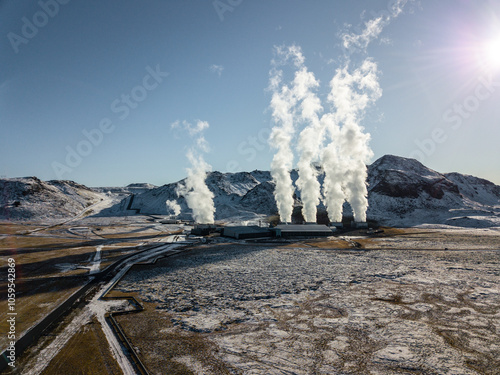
column 476, row 189
column 32, row 199
column 405, row 192
column 136, row 188
column 401, row 192
column 228, row 189
column 260, row 199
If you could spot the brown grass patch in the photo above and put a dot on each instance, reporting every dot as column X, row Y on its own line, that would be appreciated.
column 358, row 243
column 86, row 352
column 133, row 235
column 28, row 242
column 10, row 228
column 336, row 243
column 45, row 263
column 159, row 343
column 390, row 231
column 41, row 298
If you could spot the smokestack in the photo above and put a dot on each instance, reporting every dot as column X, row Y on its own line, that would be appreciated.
column 198, row 196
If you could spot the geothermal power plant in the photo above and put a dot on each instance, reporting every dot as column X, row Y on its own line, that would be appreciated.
column 331, row 136
column 333, row 139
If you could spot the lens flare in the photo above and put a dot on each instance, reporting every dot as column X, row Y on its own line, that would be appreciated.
column 490, row 55
column 492, row 52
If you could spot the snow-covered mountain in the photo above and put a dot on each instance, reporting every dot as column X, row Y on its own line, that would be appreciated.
column 228, row 189
column 32, row 199
column 401, row 192
column 136, row 188
column 405, row 192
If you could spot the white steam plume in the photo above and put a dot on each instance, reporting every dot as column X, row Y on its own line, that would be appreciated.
column 334, row 170
column 373, row 27
column 347, row 152
column 344, row 158
column 309, row 142
column 350, row 95
column 282, row 103
column 174, row 207
column 197, row 194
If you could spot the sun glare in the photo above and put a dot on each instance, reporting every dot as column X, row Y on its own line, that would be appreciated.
column 491, row 54
column 493, row 51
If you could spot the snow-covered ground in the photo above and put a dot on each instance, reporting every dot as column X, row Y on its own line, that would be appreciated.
column 277, row 310
column 96, row 262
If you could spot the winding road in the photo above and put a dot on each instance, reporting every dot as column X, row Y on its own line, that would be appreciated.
column 98, row 307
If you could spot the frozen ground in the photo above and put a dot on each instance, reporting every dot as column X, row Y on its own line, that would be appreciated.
column 300, row 310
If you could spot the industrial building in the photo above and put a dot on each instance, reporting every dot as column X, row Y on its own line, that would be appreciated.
column 254, row 231
column 337, row 224
column 203, row 229
column 359, row 224
column 308, row 230
column 244, row 232
column 170, row 221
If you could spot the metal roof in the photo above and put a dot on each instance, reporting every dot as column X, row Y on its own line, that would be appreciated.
column 241, row 232
column 303, row 228
column 246, row 229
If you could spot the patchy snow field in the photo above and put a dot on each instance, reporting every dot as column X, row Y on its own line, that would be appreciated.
column 299, row 310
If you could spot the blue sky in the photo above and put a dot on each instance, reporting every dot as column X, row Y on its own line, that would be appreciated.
column 186, row 60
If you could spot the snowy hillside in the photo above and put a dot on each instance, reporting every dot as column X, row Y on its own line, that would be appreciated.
column 32, row 199
column 405, row 192
column 242, row 195
column 228, row 189
column 401, row 192
column 476, row 189
column 136, row 188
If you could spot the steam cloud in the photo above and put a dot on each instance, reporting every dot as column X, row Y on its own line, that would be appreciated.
column 174, row 207
column 309, row 142
column 346, row 153
column 333, row 165
column 198, row 196
column 373, row 27
column 345, row 157
column 282, row 104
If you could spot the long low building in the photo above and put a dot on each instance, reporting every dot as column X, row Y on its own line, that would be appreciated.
column 203, row 229
column 243, row 232
column 307, row 230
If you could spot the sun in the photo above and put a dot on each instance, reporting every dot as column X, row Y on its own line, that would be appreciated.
column 490, row 54
column 492, row 51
